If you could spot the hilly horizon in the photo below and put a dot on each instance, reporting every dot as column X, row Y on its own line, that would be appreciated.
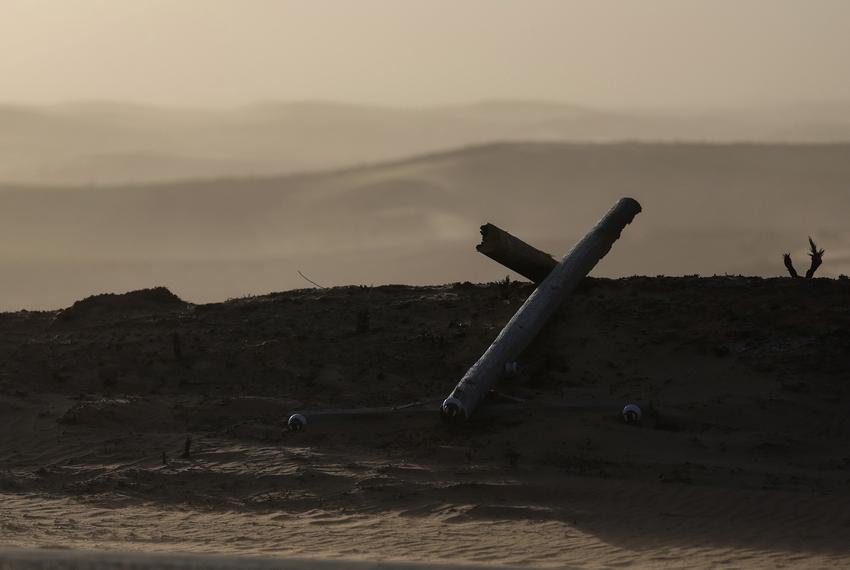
column 102, row 142
column 416, row 220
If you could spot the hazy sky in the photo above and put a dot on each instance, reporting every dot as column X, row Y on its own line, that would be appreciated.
column 617, row 53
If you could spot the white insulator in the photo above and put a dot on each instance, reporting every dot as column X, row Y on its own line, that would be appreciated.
column 632, row 413
column 297, row 422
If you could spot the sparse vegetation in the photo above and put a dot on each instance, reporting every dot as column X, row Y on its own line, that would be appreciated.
column 816, row 256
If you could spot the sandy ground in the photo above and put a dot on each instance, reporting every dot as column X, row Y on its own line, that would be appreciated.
column 741, row 459
column 53, row 559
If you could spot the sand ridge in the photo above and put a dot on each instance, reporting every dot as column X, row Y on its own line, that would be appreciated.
column 740, row 460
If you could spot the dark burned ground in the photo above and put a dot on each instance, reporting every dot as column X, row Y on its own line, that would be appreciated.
column 745, row 382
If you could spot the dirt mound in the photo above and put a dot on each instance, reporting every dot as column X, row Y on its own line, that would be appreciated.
column 142, row 301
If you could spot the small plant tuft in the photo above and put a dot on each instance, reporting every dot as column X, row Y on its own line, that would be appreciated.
column 816, row 256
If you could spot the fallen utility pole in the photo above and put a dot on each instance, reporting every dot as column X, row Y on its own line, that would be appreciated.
column 537, row 309
column 515, row 254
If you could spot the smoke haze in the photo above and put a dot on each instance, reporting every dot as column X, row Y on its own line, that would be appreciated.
column 217, row 147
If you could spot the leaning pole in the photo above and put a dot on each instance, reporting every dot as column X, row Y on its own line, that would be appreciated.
column 537, row 309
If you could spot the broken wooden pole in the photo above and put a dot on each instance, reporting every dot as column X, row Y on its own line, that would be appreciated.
column 515, row 254
column 537, row 309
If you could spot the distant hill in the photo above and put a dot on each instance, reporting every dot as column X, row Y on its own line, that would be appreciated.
column 111, row 143
column 707, row 209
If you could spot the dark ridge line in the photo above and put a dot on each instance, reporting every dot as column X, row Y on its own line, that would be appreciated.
column 589, row 282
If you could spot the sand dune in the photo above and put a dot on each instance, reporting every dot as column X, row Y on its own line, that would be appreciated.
column 416, row 220
column 109, row 143
column 740, row 461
